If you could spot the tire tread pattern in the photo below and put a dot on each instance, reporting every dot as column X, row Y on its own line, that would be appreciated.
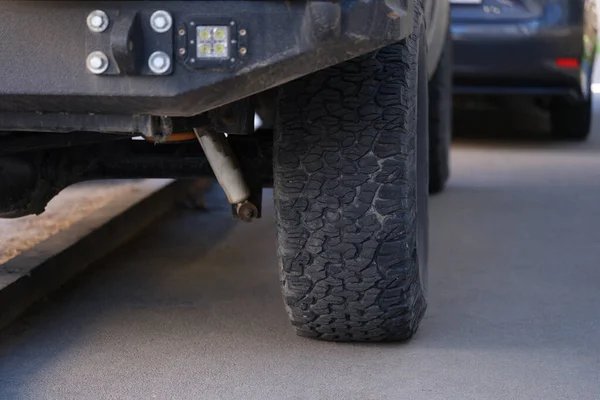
column 345, row 198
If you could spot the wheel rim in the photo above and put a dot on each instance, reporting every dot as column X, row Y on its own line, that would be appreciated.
column 422, row 155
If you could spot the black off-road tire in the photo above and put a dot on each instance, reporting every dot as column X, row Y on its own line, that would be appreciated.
column 351, row 188
column 571, row 120
column 440, row 120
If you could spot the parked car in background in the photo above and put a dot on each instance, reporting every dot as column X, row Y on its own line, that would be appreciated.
column 543, row 48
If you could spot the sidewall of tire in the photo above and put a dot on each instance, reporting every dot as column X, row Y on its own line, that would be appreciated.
column 440, row 117
column 423, row 165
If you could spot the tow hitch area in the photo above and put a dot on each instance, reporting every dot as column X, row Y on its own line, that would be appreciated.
column 175, row 58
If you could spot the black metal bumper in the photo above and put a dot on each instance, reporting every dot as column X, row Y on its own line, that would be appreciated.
column 45, row 45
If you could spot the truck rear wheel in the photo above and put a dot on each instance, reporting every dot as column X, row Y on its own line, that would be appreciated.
column 351, row 188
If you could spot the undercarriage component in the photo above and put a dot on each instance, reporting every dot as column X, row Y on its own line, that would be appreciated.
column 11, row 143
column 29, row 180
column 236, row 118
column 18, row 184
column 246, row 211
column 31, row 175
column 175, row 137
column 155, row 127
column 227, row 171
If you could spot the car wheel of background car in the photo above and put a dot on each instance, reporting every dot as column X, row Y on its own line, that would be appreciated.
column 570, row 120
column 351, row 195
column 440, row 120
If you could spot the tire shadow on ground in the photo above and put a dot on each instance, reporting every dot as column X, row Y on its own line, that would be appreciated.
column 510, row 122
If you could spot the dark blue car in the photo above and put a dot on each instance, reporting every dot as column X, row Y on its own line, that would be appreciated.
column 543, row 48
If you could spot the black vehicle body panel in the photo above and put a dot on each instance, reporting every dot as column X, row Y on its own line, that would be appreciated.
column 44, row 46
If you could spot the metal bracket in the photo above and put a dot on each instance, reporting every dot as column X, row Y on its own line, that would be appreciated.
column 128, row 43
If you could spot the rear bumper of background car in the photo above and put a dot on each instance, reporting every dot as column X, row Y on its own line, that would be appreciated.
column 520, row 58
column 524, row 46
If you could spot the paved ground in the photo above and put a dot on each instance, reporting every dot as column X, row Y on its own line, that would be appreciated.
column 192, row 309
column 70, row 206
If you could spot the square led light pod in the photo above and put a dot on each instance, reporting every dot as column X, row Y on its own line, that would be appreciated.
column 213, row 42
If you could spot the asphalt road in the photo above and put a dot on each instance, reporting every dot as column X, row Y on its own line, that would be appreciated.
column 192, row 310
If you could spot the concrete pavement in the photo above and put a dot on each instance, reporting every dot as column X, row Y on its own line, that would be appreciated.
column 192, row 310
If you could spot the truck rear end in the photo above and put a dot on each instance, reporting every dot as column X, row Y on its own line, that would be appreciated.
column 170, row 89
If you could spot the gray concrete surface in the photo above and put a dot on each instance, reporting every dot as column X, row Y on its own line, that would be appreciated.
column 192, row 310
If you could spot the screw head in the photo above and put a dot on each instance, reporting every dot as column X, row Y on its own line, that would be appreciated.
column 243, row 51
column 182, row 51
column 247, row 211
column 181, row 32
column 161, row 21
column 159, row 62
column 97, row 21
column 243, row 32
column 97, row 62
